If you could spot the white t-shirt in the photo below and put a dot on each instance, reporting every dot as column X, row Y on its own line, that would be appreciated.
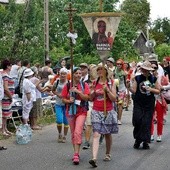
column 28, row 87
column 14, row 71
column 160, row 73
column 34, row 80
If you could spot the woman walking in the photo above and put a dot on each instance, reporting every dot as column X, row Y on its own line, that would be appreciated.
column 76, row 97
column 60, row 108
column 121, row 76
column 103, row 123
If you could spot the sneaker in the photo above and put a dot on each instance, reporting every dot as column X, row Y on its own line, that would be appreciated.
column 119, row 122
column 60, row 139
column 152, row 138
column 146, row 145
column 136, row 144
column 159, row 139
column 86, row 145
column 164, row 121
column 93, row 163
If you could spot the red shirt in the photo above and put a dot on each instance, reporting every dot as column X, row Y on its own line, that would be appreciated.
column 65, row 94
column 98, row 102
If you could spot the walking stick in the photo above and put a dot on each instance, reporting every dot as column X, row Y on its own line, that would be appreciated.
column 72, row 37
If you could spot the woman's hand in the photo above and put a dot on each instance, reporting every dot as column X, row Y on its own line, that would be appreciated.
column 71, row 100
column 105, row 88
column 74, row 89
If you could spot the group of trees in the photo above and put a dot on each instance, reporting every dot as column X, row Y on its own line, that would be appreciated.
column 22, row 30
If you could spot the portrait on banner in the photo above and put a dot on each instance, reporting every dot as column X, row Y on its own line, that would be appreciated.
column 102, row 35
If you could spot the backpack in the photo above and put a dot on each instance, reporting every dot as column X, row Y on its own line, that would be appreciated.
column 165, row 93
column 56, row 84
column 17, row 88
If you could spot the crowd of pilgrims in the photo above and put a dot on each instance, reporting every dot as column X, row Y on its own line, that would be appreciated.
column 92, row 102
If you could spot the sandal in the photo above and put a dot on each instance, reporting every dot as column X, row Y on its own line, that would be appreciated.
column 76, row 159
column 93, row 163
column 9, row 133
column 64, row 140
column 36, row 128
column 107, row 157
column 5, row 134
column 3, row 148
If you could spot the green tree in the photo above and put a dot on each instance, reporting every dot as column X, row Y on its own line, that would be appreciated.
column 160, row 30
column 162, row 51
column 22, row 36
column 136, row 13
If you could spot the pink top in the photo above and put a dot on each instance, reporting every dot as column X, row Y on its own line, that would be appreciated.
column 98, row 101
column 65, row 94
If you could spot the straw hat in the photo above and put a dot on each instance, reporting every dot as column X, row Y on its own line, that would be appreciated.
column 28, row 72
column 84, row 65
column 93, row 71
column 147, row 66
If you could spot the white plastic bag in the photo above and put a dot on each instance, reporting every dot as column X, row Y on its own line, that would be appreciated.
column 23, row 134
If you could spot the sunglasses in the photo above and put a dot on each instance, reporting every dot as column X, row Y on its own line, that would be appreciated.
column 118, row 64
column 155, row 68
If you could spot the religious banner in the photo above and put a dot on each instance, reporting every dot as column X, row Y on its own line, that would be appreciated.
column 102, row 28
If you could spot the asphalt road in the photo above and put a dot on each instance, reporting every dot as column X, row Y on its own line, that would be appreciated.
column 44, row 153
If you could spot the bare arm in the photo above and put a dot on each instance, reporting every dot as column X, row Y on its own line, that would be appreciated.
column 6, row 90
column 131, row 85
column 156, row 89
column 111, row 92
column 28, row 95
column 83, row 96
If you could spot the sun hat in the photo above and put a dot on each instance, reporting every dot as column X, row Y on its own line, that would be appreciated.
column 63, row 70
column 84, row 65
column 111, row 59
column 94, row 70
column 147, row 66
column 28, row 72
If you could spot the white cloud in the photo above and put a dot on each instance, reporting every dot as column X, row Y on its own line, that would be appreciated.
column 159, row 8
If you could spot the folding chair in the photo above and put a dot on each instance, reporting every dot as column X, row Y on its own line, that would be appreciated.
column 16, row 112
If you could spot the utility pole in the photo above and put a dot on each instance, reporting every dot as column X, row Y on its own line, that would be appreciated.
column 46, row 30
